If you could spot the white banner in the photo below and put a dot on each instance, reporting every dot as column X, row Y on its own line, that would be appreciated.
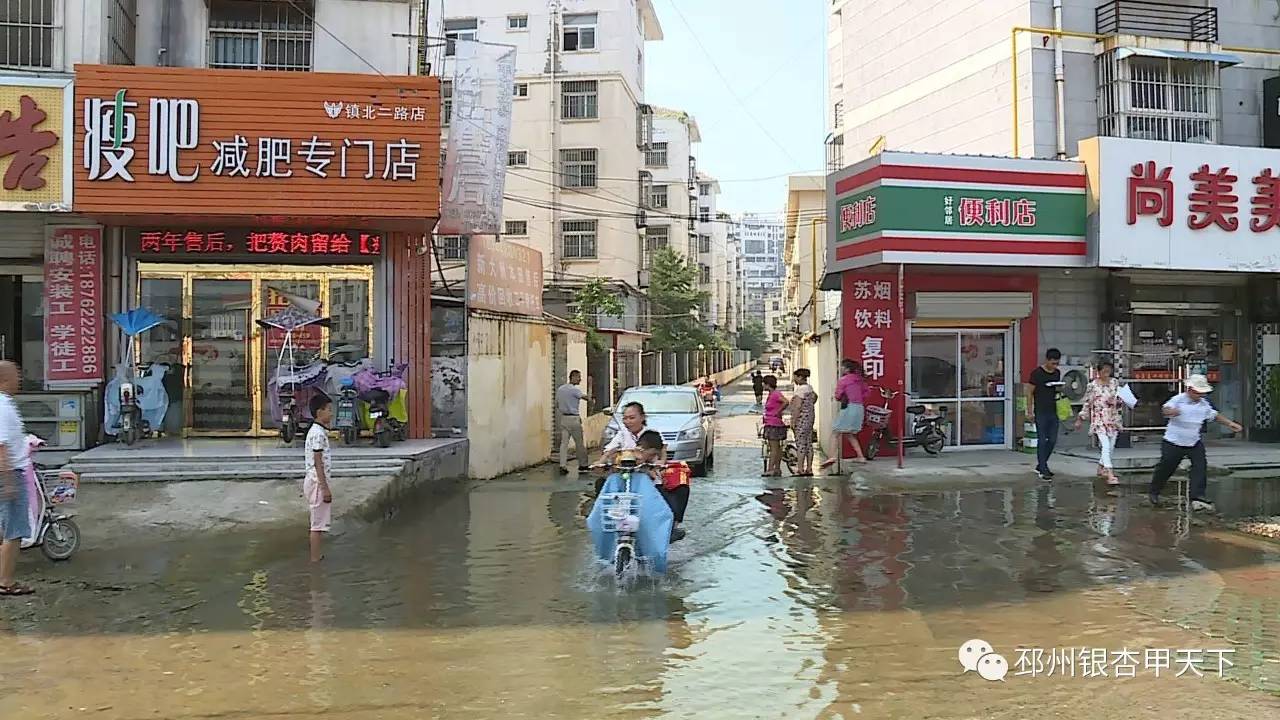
column 475, row 167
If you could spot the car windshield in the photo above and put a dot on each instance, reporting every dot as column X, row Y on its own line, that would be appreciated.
column 662, row 402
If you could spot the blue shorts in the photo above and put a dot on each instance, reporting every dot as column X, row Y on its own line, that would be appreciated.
column 14, row 522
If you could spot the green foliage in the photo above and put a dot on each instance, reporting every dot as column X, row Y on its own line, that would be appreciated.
column 752, row 337
column 674, row 299
column 590, row 302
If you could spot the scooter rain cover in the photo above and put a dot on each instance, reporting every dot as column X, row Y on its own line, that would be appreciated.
column 655, row 522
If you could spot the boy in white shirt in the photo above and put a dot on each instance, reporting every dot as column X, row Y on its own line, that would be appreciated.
column 1187, row 413
column 318, row 463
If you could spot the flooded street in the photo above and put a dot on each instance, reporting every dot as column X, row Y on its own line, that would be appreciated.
column 802, row 598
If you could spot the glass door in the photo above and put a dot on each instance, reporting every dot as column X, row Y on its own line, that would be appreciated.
column 221, row 328
column 163, row 344
column 964, row 376
column 305, row 347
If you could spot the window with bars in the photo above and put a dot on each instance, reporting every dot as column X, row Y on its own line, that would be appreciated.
column 122, row 33
column 250, row 35
column 1159, row 98
column 578, row 238
column 579, row 32
column 29, row 33
column 704, row 243
column 838, row 114
column 516, row 227
column 656, row 155
column 459, row 29
column 704, row 214
column 656, row 237
column 658, row 197
column 518, row 158
column 452, row 247
column 580, row 100
column 446, row 102
column 578, row 168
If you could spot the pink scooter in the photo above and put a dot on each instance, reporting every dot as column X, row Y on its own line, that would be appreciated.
column 54, row 531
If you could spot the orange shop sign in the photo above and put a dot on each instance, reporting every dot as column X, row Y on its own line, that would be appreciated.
column 503, row 276
column 165, row 141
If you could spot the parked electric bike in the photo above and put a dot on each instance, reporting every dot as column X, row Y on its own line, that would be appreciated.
column 927, row 428
column 292, row 381
column 630, row 523
column 136, row 400
column 382, row 390
column 52, row 529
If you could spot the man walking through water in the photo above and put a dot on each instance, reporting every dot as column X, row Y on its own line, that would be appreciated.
column 1043, row 408
column 569, row 398
column 1188, row 412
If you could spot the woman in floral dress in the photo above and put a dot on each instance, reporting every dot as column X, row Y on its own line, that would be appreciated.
column 803, row 400
column 1102, row 411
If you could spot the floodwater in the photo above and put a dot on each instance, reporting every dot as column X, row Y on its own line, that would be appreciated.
column 804, row 598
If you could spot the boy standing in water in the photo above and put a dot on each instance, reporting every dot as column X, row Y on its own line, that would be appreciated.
column 318, row 463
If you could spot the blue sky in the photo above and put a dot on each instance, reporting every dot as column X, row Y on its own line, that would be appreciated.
column 773, row 52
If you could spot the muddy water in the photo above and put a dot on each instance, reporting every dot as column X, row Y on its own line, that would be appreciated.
column 807, row 599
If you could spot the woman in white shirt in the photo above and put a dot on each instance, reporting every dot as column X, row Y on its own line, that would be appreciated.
column 1187, row 413
column 633, row 426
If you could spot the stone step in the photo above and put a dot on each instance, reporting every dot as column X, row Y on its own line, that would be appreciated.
column 234, row 474
column 167, row 464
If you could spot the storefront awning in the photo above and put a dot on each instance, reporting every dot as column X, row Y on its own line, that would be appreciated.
column 1220, row 58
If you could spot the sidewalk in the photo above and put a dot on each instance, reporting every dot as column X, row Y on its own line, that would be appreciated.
column 961, row 468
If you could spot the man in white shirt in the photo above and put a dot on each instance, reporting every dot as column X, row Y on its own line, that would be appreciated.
column 569, row 399
column 15, row 524
column 1187, row 413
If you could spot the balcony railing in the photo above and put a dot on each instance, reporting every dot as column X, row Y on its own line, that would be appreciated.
column 1155, row 19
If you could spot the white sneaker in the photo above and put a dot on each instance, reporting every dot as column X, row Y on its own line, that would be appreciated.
column 1202, row 506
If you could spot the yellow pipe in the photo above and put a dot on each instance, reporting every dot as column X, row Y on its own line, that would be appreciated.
column 813, row 268
column 1013, row 57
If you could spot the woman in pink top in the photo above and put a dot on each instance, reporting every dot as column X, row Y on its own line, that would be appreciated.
column 775, row 430
column 851, row 392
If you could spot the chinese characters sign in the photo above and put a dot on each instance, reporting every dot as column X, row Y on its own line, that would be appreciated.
column 503, row 277
column 1186, row 206
column 922, row 209
column 480, row 130
column 208, row 142
column 34, row 119
column 873, row 333
column 874, row 302
column 73, row 306
column 328, row 245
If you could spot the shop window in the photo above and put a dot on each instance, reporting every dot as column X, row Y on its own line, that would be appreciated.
column 465, row 29
column 580, row 100
column 579, row 32
column 28, row 30
column 656, row 155
column 578, row 168
column 249, row 35
column 1158, row 98
column 578, row 238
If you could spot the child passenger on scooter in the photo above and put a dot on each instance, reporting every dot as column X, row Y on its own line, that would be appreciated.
column 672, row 480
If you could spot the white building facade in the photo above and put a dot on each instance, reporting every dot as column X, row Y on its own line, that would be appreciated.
column 762, row 245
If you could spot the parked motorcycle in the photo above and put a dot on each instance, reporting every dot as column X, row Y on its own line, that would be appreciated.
column 291, row 380
column 383, row 391
column 136, row 401
column 927, row 428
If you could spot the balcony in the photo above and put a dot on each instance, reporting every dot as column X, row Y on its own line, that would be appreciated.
column 1155, row 19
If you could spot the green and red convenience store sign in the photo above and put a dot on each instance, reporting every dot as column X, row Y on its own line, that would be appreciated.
column 956, row 210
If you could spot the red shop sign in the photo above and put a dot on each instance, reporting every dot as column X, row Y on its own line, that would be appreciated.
column 337, row 244
column 73, row 306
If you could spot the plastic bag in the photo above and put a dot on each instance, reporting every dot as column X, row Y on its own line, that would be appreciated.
column 1127, row 397
column 1064, row 409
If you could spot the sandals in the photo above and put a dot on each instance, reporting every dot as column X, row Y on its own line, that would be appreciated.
column 16, row 589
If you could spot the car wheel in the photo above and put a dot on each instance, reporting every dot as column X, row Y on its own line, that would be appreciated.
column 711, row 461
column 698, row 469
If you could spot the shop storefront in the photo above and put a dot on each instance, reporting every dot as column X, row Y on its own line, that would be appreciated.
column 44, row 249
column 1188, row 234
column 231, row 197
column 938, row 260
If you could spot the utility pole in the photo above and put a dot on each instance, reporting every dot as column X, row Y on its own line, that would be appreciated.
column 553, row 66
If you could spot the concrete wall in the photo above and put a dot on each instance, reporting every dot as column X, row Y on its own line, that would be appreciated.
column 375, row 29
column 508, row 408
column 1070, row 307
column 821, row 356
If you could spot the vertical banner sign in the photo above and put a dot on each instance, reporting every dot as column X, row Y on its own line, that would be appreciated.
column 874, row 334
column 475, row 168
column 73, row 331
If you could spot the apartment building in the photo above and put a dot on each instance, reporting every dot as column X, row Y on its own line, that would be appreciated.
column 805, row 251
column 668, row 183
column 713, row 253
column 1162, row 103
column 762, row 243
column 576, row 187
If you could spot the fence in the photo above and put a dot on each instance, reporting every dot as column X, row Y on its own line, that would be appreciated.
column 678, row 368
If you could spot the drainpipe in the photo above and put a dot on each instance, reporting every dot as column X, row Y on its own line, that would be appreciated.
column 1059, row 82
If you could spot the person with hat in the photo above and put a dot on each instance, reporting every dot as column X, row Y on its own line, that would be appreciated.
column 1187, row 413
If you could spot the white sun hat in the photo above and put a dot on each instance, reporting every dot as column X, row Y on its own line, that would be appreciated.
column 1199, row 383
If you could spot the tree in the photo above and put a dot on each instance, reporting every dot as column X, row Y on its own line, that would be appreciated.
column 674, row 299
column 752, row 337
column 590, row 302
